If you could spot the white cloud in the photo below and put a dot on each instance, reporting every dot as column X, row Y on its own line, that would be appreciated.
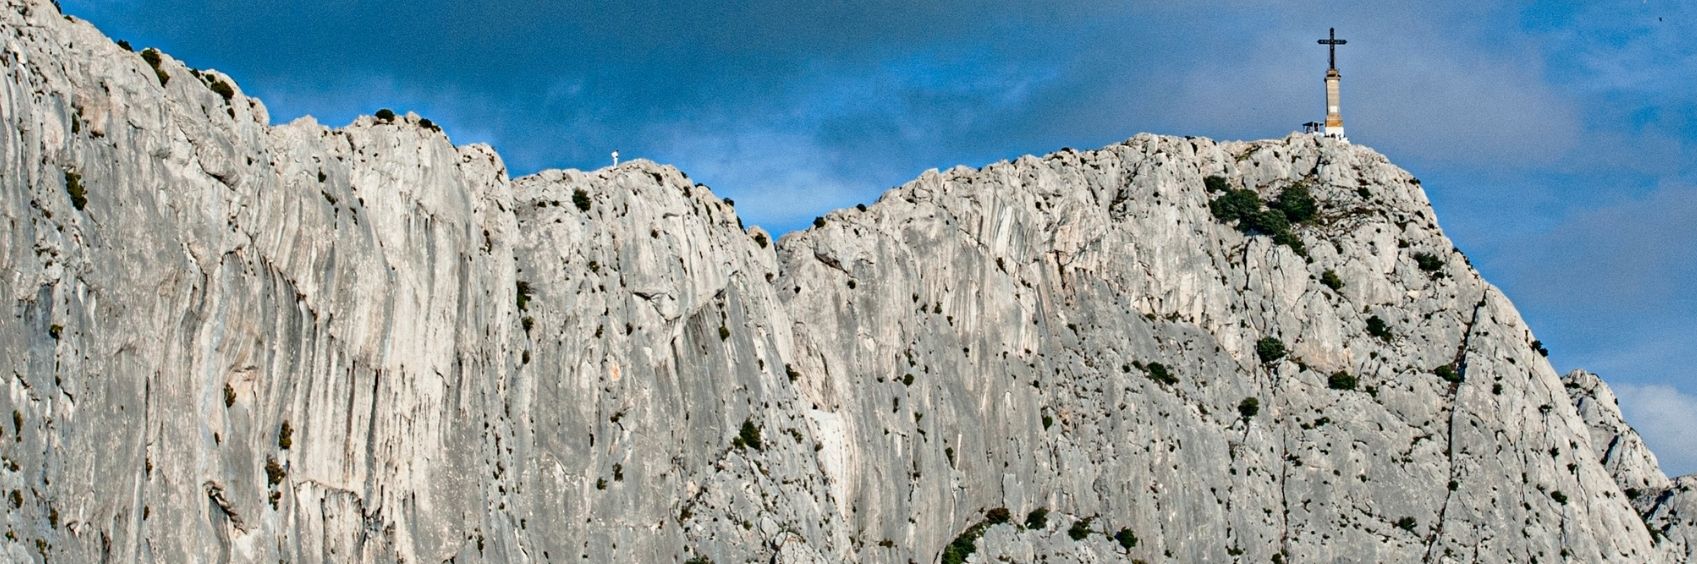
column 780, row 180
column 1667, row 419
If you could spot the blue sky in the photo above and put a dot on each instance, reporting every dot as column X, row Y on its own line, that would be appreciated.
column 1557, row 140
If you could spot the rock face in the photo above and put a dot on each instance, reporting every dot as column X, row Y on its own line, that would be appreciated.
column 236, row 341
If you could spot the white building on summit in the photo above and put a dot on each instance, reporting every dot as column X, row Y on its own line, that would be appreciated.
column 1334, row 120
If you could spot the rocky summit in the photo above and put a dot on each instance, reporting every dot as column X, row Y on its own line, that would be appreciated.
column 227, row 340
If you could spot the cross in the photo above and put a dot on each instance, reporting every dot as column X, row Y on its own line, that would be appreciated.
column 1333, row 44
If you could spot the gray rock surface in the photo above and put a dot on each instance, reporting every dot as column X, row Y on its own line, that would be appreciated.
column 235, row 341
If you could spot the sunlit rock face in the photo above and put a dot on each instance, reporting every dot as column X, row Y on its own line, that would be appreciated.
column 235, row 341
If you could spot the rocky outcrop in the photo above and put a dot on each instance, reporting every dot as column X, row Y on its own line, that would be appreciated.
column 238, row 341
column 1668, row 507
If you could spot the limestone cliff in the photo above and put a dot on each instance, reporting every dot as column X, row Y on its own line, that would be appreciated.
column 230, row 340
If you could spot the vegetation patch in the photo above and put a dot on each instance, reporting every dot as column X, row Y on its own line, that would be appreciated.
column 74, row 187
column 1377, row 328
column 1080, row 529
column 1248, row 408
column 580, row 199
column 153, row 59
column 1126, row 538
column 748, row 436
column 1244, row 207
column 1330, row 280
column 1270, row 349
column 1341, row 380
column 1448, row 373
column 222, row 88
column 967, row 543
column 1160, row 374
column 274, row 472
column 1037, row 518
column 523, row 291
column 1216, row 183
column 1429, row 263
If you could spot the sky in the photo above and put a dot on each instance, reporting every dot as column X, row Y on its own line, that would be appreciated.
column 1557, row 140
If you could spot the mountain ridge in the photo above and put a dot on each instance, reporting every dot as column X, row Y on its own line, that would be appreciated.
column 300, row 343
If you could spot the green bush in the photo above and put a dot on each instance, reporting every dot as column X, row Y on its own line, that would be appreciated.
column 1235, row 205
column 760, row 239
column 1248, row 407
column 1428, row 262
column 221, row 88
column 819, row 222
column 1341, row 380
column 274, row 472
column 1377, row 328
column 153, row 59
column 1266, row 222
column 1037, row 518
column 1216, row 183
column 385, row 115
column 724, row 332
column 1539, row 346
column 1270, row 349
column 1289, row 239
column 1448, row 373
column 1297, row 204
column 523, row 292
column 1245, row 208
column 1406, row 524
column 1159, row 373
column 580, row 199
column 285, row 436
column 749, row 435
column 1330, row 280
column 964, row 545
column 1559, row 497
column 74, row 187
column 1080, row 529
column 1126, row 538
column 229, row 395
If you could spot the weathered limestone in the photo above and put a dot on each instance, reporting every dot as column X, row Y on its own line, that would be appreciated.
column 262, row 343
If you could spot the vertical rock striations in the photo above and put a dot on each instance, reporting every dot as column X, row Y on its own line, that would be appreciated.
column 235, row 341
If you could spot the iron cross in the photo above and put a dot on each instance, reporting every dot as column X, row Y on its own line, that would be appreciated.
column 1333, row 44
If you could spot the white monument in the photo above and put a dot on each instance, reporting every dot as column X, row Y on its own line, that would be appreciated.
column 1334, row 120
